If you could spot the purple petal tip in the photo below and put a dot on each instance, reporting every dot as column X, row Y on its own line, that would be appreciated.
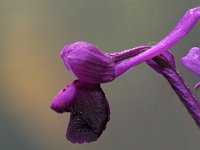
column 57, row 108
column 63, row 99
column 192, row 60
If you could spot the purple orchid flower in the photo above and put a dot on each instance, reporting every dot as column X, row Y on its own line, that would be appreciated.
column 85, row 99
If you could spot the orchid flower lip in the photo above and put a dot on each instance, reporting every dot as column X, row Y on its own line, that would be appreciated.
column 88, row 107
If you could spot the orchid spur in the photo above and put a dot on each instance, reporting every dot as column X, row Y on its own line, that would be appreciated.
column 85, row 99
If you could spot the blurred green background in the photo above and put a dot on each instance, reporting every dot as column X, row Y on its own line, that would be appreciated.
column 145, row 112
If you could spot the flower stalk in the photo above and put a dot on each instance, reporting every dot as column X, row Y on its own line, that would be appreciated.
column 181, row 89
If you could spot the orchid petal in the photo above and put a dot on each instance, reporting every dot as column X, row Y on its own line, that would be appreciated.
column 192, row 60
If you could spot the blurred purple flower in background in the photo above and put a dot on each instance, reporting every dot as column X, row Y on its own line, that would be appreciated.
column 192, row 60
column 85, row 99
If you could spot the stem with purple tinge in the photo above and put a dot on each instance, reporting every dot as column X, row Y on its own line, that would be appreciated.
column 177, row 83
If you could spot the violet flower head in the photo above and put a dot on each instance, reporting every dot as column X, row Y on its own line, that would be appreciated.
column 86, row 101
column 88, row 107
column 84, row 98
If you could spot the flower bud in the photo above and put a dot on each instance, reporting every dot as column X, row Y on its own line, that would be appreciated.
column 88, row 63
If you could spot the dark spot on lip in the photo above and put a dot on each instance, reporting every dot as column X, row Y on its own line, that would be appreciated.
column 63, row 90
